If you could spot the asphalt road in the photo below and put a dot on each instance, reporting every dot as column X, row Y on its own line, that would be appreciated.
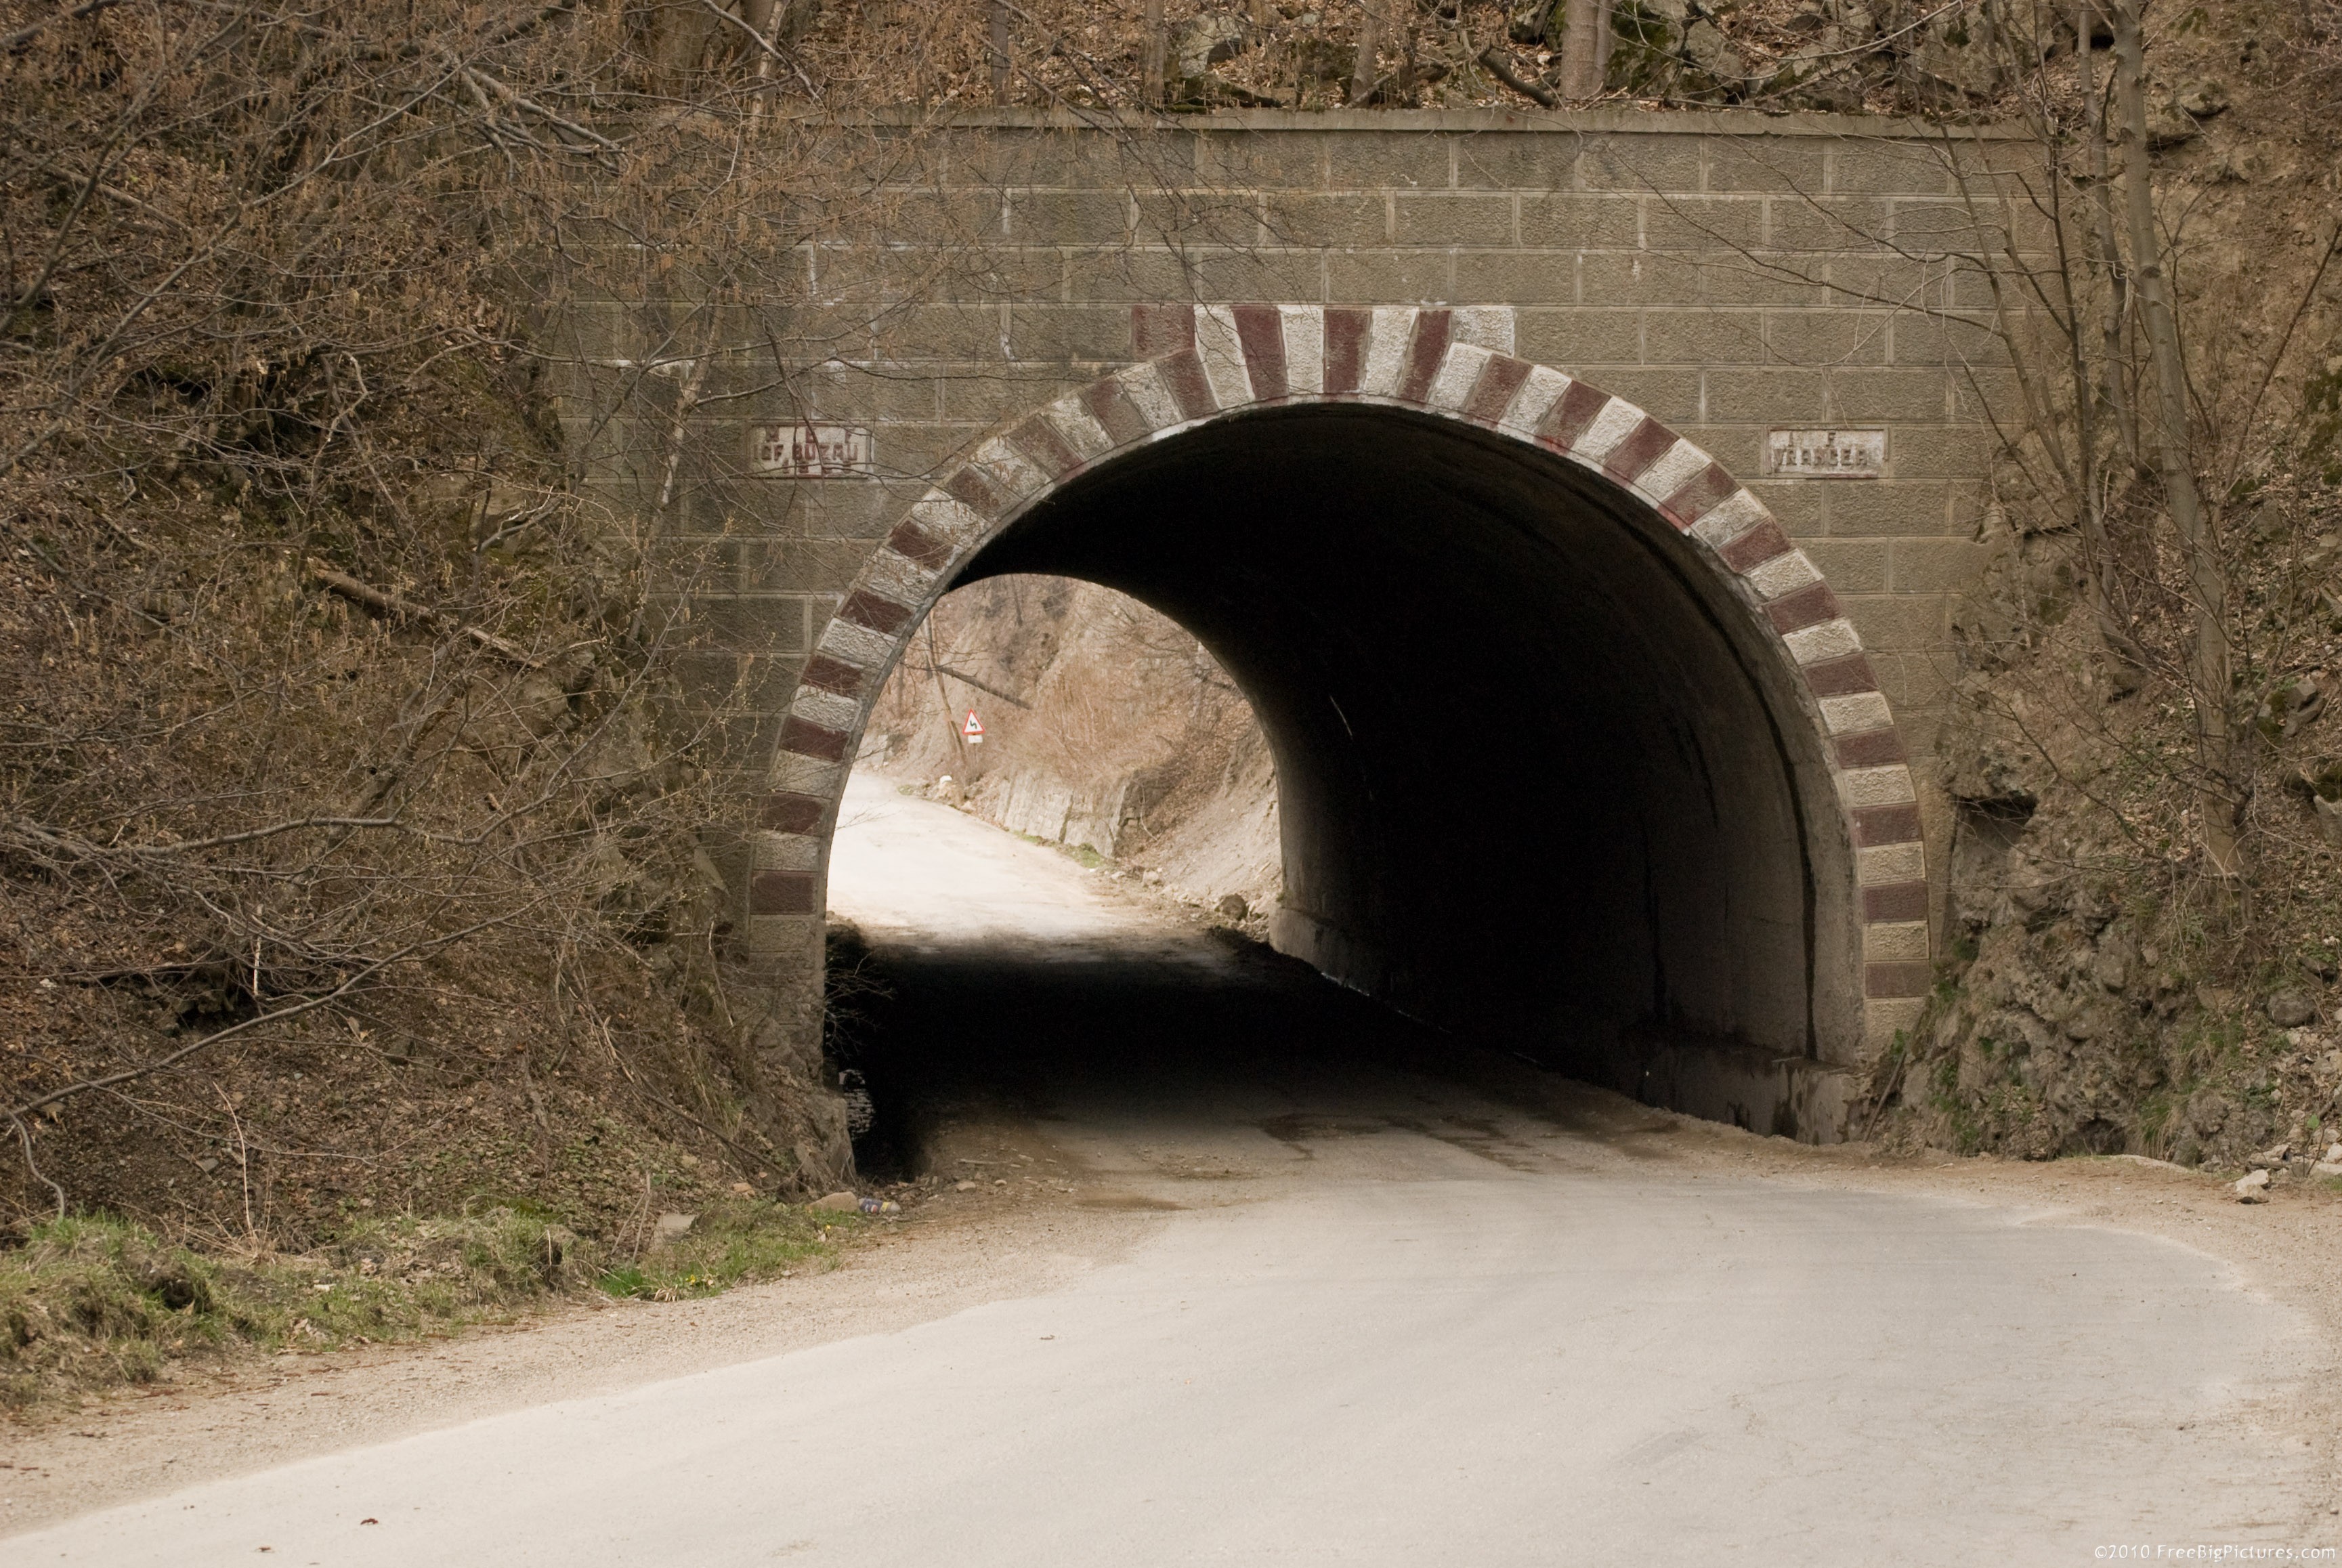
column 1386, row 1315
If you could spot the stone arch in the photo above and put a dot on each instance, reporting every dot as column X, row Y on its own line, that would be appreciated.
column 1199, row 364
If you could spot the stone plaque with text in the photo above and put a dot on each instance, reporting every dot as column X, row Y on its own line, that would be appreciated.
column 810, row 450
column 1825, row 453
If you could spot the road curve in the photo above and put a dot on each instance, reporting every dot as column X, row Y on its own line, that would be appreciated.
column 1391, row 1318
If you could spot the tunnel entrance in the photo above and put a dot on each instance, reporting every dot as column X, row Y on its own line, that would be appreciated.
column 1533, row 787
column 1574, row 752
column 1528, row 783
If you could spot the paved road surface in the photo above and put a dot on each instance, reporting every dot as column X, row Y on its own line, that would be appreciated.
column 1391, row 1319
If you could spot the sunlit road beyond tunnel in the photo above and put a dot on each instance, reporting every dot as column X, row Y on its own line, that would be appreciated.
column 1377, row 1298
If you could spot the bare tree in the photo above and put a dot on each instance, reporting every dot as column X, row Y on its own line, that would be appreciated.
column 1154, row 54
column 1584, row 48
column 2218, row 792
column 1366, row 69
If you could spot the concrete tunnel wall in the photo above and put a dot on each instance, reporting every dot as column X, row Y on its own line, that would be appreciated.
column 1574, row 743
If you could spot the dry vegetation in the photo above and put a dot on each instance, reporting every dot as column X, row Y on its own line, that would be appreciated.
column 1189, row 55
column 350, row 827
column 352, row 781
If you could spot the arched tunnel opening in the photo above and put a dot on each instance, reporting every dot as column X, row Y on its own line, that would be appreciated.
column 1543, row 783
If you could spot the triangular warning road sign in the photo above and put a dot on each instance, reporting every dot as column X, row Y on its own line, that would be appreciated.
column 973, row 728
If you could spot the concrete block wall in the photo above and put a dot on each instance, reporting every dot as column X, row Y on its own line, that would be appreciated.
column 1730, row 273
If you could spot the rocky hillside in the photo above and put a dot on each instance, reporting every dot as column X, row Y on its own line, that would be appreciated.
column 1849, row 56
column 1108, row 730
column 2145, row 914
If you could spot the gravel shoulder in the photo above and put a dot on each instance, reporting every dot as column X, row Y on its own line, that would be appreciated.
column 253, row 1416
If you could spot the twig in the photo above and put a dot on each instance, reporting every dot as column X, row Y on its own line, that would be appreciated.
column 290, row 1011
column 481, row 80
column 1502, row 69
column 2285, row 339
column 1894, row 1082
column 935, row 665
column 754, row 37
column 663, row 1102
column 618, row 1059
column 1095, row 76
column 981, row 686
column 26, row 35
column 243, row 1166
column 374, row 598
column 1872, row 45
column 80, row 849
column 643, row 1225
column 32, row 1165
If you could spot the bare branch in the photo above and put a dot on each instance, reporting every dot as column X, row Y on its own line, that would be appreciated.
column 26, row 35
column 374, row 598
column 1500, row 67
column 278, row 1015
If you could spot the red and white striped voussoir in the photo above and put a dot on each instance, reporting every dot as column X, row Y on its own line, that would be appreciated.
column 1196, row 363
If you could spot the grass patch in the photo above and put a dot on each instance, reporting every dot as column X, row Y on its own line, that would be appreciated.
column 723, row 1248
column 90, row 1303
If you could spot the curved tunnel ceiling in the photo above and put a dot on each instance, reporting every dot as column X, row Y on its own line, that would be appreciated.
column 1532, row 764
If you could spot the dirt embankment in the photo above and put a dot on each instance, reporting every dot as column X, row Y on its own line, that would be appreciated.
column 1108, row 730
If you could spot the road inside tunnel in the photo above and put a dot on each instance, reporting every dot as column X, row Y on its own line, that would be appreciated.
column 1539, row 769
column 983, row 976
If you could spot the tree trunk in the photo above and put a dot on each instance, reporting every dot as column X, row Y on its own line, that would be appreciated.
column 682, row 41
column 2103, row 256
column 1363, row 69
column 1152, row 53
column 759, row 16
column 2109, row 249
column 2208, row 665
column 999, row 52
column 1584, row 48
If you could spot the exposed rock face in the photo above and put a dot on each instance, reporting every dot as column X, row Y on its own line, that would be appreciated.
column 2077, row 1015
column 1206, row 40
column 1108, row 729
column 1831, row 55
column 2101, row 993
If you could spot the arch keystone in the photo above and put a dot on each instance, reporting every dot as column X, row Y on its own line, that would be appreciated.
column 1219, row 348
column 1458, row 378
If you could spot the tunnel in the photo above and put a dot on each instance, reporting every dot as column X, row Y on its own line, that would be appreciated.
column 1543, row 782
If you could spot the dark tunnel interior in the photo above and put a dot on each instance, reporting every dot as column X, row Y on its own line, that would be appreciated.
column 1534, row 771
